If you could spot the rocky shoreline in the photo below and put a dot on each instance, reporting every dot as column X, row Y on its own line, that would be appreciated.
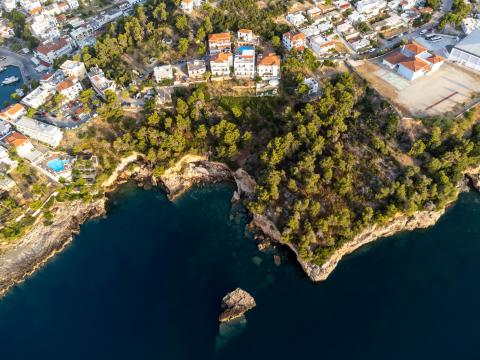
column 44, row 241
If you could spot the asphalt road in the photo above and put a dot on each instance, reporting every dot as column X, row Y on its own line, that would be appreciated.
column 23, row 62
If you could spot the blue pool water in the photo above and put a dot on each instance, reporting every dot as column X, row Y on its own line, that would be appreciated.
column 57, row 164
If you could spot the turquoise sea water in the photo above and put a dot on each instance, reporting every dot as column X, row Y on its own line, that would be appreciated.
column 146, row 283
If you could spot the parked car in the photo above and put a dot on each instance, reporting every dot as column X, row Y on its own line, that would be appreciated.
column 424, row 31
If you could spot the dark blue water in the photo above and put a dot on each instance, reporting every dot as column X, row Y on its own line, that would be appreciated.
column 7, row 90
column 146, row 283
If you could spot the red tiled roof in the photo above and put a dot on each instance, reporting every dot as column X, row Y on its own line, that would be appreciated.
column 219, row 37
column 415, row 47
column 434, row 59
column 47, row 47
column 269, row 60
column 396, row 57
column 416, row 65
column 16, row 139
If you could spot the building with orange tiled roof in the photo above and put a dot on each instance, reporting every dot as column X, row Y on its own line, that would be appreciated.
column 219, row 43
column 244, row 62
column 268, row 67
column 13, row 112
column 413, row 61
column 294, row 41
column 186, row 5
column 16, row 140
column 70, row 88
column 221, row 63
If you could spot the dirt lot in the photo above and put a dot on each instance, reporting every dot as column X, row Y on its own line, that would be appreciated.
column 442, row 92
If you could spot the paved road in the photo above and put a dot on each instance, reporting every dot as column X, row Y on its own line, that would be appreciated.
column 23, row 62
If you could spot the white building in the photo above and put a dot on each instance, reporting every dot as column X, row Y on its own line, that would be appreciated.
column 355, row 17
column 54, row 49
column 244, row 62
column 74, row 68
column 219, row 43
column 312, row 85
column 294, row 41
column 22, row 146
column 413, row 61
column 220, row 64
column 370, row 8
column 12, row 113
column 100, row 83
column 246, row 36
column 70, row 88
column 196, row 68
column 73, row 4
column 9, row 5
column 44, row 27
column 37, row 97
column 470, row 24
column 467, row 51
column 321, row 46
column 296, row 19
column 164, row 72
column 40, row 131
column 83, row 35
column 5, row 159
column 186, row 5
column 268, row 67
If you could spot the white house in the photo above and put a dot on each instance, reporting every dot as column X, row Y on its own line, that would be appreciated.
column 164, row 72
column 294, row 41
column 470, row 24
column 44, row 27
column 21, row 144
column 355, row 17
column 246, row 36
column 186, row 5
column 219, row 43
column 40, row 131
column 100, row 83
column 312, row 85
column 5, row 159
column 320, row 45
column 9, row 5
column 73, row 4
column 467, row 51
column 244, row 62
column 268, row 67
column 370, row 8
column 196, row 68
column 413, row 61
column 70, row 88
column 220, row 64
column 296, row 19
column 74, row 68
column 83, row 35
column 37, row 97
column 13, row 112
column 51, row 50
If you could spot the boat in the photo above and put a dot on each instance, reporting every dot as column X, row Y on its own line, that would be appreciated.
column 10, row 80
column 2, row 68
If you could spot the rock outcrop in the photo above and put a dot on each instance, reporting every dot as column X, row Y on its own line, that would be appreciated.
column 235, row 304
column 43, row 241
column 190, row 170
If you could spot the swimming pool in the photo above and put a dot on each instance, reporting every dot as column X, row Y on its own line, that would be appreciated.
column 57, row 165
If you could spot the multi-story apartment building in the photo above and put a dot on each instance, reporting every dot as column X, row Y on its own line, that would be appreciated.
column 220, row 64
column 50, row 50
column 294, row 41
column 219, row 43
column 244, row 62
column 268, row 67
column 40, row 131
column 99, row 82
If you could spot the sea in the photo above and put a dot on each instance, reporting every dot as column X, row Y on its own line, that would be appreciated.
column 146, row 282
column 7, row 90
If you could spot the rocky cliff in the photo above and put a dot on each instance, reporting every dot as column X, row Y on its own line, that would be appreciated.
column 191, row 170
column 44, row 241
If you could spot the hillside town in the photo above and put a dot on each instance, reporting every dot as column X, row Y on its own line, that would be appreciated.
column 404, row 49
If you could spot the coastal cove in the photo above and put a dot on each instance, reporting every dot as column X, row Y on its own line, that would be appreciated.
column 146, row 282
